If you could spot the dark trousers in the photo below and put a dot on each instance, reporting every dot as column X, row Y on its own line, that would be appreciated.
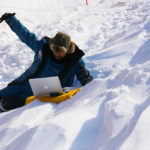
column 15, row 96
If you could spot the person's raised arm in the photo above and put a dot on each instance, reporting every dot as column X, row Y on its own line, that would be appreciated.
column 22, row 32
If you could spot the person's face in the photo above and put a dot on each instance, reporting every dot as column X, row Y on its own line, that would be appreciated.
column 59, row 55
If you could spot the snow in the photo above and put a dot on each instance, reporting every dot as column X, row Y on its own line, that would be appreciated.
column 112, row 111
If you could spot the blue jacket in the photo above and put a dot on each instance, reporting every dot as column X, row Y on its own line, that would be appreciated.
column 54, row 68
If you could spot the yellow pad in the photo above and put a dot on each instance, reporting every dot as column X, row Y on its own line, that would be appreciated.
column 56, row 99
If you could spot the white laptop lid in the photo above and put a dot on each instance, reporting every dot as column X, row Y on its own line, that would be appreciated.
column 45, row 86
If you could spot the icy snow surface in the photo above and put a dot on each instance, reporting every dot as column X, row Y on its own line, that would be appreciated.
column 110, row 113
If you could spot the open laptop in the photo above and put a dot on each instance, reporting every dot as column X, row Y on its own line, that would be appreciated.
column 45, row 86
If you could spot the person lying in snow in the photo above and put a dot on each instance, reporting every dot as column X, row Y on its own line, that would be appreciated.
column 57, row 56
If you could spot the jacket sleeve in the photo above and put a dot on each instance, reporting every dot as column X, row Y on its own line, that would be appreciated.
column 83, row 75
column 24, row 34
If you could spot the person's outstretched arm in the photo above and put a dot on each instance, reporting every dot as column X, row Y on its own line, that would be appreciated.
column 22, row 32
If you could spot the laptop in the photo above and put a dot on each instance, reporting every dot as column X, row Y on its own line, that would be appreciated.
column 45, row 86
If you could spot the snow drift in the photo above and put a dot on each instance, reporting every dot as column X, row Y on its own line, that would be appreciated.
column 112, row 111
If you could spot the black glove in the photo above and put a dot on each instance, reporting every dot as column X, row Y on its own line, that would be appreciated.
column 54, row 94
column 6, row 16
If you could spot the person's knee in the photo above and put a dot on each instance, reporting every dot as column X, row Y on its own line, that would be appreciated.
column 12, row 102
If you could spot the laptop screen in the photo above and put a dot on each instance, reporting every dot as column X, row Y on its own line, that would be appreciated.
column 45, row 86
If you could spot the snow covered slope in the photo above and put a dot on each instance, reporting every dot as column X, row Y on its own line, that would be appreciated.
column 110, row 113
